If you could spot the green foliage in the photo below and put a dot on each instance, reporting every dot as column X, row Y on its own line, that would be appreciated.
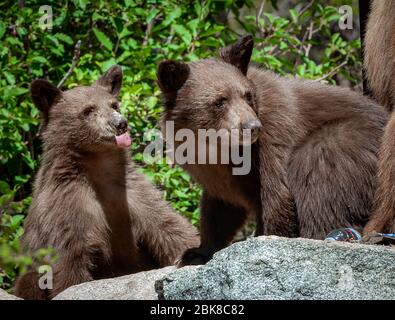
column 11, row 219
column 178, row 187
column 12, row 214
column 307, row 44
column 137, row 35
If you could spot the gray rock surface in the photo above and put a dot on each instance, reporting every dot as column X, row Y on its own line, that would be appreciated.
column 138, row 286
column 280, row 268
column 6, row 296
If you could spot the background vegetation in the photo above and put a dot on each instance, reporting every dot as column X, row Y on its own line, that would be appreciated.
column 299, row 38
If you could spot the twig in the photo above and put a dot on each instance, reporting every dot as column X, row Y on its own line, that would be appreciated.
column 272, row 50
column 74, row 62
column 117, row 45
column 148, row 30
column 306, row 8
column 332, row 72
column 259, row 13
column 310, row 30
column 170, row 38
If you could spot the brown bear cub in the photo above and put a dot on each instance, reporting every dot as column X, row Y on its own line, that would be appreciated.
column 314, row 148
column 102, row 217
column 379, row 63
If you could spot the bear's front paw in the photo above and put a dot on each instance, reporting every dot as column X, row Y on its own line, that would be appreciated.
column 194, row 256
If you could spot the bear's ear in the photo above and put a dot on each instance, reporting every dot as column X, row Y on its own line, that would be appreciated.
column 44, row 95
column 171, row 77
column 239, row 53
column 111, row 80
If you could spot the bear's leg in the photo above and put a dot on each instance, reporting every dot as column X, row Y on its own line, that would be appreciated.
column 162, row 234
column 332, row 178
column 278, row 216
column 219, row 223
column 165, row 235
column 383, row 218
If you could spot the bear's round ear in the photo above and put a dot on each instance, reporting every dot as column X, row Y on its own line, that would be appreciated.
column 171, row 77
column 111, row 80
column 239, row 53
column 44, row 95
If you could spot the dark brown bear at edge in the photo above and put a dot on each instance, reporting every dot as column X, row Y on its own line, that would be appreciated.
column 103, row 218
column 314, row 161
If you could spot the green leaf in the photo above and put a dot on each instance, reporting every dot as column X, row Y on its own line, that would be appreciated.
column 21, row 180
column 107, row 64
column 13, row 91
column 25, row 127
column 104, row 40
column 83, row 3
column 28, row 160
column 152, row 15
column 124, row 33
column 294, row 15
column 6, row 198
column 16, row 220
column 65, row 38
column 39, row 59
column 4, row 187
column 183, row 33
column 193, row 25
column 97, row 16
column 2, row 29
column 129, row 3
column 10, row 77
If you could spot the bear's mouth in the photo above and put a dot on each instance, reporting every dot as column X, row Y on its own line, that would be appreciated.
column 123, row 140
column 243, row 139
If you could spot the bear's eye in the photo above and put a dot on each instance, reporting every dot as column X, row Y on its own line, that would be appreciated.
column 248, row 97
column 219, row 103
column 115, row 106
column 88, row 110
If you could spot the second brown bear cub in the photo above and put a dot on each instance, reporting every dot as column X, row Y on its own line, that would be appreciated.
column 103, row 218
column 314, row 163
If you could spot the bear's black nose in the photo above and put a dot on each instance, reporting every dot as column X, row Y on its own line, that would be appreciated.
column 119, row 122
column 254, row 125
column 122, row 126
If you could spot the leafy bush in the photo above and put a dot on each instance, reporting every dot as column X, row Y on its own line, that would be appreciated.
column 137, row 35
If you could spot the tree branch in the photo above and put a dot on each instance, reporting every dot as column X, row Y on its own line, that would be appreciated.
column 148, row 30
column 332, row 72
column 259, row 13
column 74, row 62
column 310, row 36
column 303, row 10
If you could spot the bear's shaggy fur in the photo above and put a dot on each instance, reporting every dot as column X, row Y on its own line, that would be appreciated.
column 313, row 166
column 379, row 47
column 102, row 217
column 379, row 63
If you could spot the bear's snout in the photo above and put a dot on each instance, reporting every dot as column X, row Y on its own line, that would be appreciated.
column 122, row 126
column 119, row 122
column 254, row 125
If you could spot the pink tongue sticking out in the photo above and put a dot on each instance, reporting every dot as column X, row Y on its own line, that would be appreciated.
column 123, row 140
